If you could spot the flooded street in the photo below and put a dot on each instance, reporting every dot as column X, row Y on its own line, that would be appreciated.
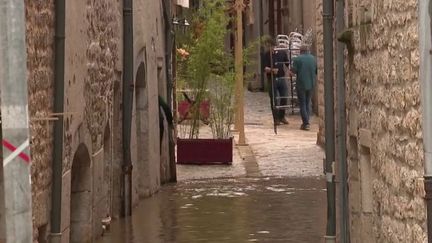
column 228, row 210
column 273, row 192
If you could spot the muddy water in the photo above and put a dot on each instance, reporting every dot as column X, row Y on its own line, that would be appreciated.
column 229, row 210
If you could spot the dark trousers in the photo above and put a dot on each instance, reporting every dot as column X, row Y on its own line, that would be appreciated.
column 280, row 90
column 304, row 97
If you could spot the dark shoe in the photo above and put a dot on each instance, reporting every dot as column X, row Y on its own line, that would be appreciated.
column 284, row 121
column 305, row 127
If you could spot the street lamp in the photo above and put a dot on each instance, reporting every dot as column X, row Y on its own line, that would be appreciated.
column 182, row 24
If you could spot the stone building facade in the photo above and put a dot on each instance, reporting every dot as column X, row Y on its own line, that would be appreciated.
column 40, row 69
column 319, row 91
column 384, row 140
column 92, row 151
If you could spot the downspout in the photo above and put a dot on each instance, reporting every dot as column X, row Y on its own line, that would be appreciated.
column 328, row 13
column 169, row 68
column 425, row 18
column 261, row 34
column 128, row 88
column 342, row 154
column 59, row 94
column 279, row 16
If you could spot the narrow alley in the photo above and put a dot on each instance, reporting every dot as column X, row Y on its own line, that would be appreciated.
column 216, row 121
column 273, row 192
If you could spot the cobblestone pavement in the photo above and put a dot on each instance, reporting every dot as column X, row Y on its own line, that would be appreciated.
column 290, row 153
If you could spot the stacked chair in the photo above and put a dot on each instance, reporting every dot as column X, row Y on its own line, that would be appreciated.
column 290, row 44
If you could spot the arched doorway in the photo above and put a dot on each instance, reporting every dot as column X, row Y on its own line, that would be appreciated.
column 142, row 128
column 81, row 197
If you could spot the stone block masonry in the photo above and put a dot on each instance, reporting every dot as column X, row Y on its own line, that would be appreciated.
column 384, row 123
column 93, row 108
column 40, row 52
column 384, row 140
column 320, row 78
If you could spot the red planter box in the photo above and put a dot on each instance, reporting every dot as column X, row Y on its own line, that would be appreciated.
column 184, row 107
column 204, row 151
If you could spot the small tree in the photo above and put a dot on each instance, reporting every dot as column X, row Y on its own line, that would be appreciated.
column 210, row 67
column 208, row 57
column 222, row 110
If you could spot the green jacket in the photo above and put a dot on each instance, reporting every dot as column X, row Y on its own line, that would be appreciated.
column 305, row 67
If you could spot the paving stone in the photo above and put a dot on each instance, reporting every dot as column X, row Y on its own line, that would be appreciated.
column 290, row 153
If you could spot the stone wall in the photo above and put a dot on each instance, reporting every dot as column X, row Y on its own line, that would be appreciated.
column 40, row 40
column 93, row 110
column 103, row 59
column 149, row 55
column 384, row 140
column 93, row 58
column 319, row 90
column 384, row 123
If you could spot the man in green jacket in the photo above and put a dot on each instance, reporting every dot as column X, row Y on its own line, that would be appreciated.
column 305, row 67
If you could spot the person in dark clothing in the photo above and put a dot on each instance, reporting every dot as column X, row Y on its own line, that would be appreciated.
column 164, row 112
column 305, row 67
column 275, row 63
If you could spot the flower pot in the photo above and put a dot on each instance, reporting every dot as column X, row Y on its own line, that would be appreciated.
column 204, row 151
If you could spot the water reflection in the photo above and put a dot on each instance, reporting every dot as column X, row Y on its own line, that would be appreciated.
column 241, row 210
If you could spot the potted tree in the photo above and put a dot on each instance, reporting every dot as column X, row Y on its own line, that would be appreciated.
column 208, row 74
column 218, row 149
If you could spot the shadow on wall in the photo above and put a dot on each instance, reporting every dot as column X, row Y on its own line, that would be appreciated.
column 81, row 197
column 117, row 148
column 142, row 130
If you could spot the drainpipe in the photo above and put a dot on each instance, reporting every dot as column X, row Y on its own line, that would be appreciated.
column 128, row 88
column 425, row 18
column 57, row 162
column 261, row 34
column 328, row 11
column 279, row 17
column 342, row 155
column 169, row 52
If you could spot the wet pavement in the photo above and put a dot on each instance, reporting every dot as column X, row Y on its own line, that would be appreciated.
column 228, row 210
column 273, row 192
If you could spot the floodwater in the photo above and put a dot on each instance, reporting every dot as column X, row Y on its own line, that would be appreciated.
column 228, row 210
